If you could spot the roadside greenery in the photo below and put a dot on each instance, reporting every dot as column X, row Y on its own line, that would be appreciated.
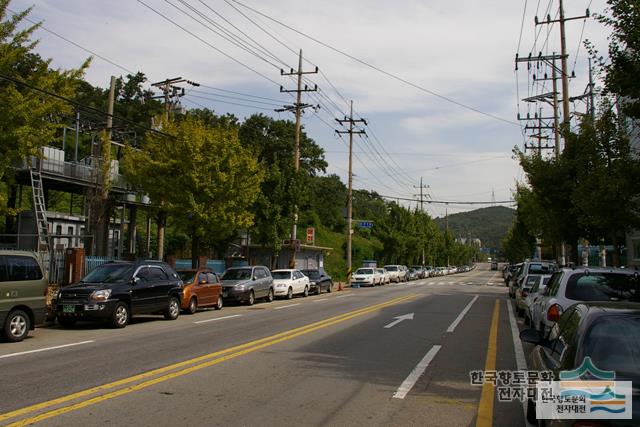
column 210, row 177
column 591, row 190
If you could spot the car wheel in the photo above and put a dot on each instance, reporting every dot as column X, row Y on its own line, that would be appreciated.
column 120, row 317
column 193, row 306
column 66, row 322
column 330, row 288
column 173, row 309
column 305, row 293
column 269, row 297
column 219, row 303
column 16, row 327
column 289, row 293
column 252, row 298
column 318, row 288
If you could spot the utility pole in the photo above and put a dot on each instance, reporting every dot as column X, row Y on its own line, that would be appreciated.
column 422, row 187
column 351, row 132
column 298, row 107
column 169, row 91
column 566, row 114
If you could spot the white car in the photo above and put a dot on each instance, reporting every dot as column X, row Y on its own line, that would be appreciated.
column 582, row 284
column 394, row 272
column 386, row 278
column 530, row 282
column 365, row 276
column 288, row 282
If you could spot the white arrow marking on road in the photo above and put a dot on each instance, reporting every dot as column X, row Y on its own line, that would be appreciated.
column 408, row 316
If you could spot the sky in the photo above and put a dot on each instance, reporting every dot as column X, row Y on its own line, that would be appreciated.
column 435, row 80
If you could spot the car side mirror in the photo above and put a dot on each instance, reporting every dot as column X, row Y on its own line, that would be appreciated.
column 532, row 336
column 203, row 282
column 134, row 280
column 254, row 278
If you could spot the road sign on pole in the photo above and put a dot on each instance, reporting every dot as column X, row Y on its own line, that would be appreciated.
column 311, row 236
column 365, row 224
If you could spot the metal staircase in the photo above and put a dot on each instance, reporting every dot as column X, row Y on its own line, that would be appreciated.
column 39, row 210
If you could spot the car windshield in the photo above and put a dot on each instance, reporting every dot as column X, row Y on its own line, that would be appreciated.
column 311, row 274
column 237, row 274
column 187, row 276
column 109, row 273
column 364, row 271
column 603, row 287
column 613, row 343
column 279, row 275
column 391, row 268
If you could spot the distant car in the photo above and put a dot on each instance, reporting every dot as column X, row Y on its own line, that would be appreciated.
column 364, row 276
column 420, row 271
column 201, row 288
column 413, row 274
column 245, row 284
column 394, row 272
column 494, row 265
column 290, row 282
column 386, row 277
column 584, row 284
column 526, row 268
column 428, row 271
column 114, row 291
column 531, row 305
column 23, row 287
column 319, row 280
column 526, row 288
column 589, row 336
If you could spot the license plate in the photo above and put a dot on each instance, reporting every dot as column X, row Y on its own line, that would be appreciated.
column 68, row 308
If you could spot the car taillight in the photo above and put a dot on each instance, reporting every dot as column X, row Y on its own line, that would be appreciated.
column 553, row 314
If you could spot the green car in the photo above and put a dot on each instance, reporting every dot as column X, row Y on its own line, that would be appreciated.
column 23, row 288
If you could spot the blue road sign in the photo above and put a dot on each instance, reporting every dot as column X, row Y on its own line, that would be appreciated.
column 365, row 224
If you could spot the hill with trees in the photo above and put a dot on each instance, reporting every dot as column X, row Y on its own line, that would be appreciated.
column 490, row 225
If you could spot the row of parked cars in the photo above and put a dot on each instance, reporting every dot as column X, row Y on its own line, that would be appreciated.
column 376, row 276
column 577, row 313
column 116, row 291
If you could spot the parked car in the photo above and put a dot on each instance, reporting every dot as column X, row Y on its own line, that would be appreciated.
column 526, row 268
column 23, row 289
column 115, row 291
column 413, row 274
column 394, row 272
column 428, row 270
column 420, row 271
column 319, row 280
column 526, row 288
column 364, row 277
column 200, row 288
column 606, row 332
column 531, row 301
column 583, row 284
column 245, row 284
column 386, row 277
column 289, row 282
column 494, row 265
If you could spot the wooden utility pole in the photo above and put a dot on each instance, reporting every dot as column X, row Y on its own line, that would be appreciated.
column 298, row 107
column 351, row 131
column 422, row 187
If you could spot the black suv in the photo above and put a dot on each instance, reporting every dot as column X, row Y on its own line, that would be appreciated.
column 115, row 291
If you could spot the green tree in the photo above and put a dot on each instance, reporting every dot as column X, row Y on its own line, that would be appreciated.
column 202, row 177
column 28, row 118
column 622, row 67
column 272, row 143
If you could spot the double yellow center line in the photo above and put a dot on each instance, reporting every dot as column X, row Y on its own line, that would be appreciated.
column 141, row 381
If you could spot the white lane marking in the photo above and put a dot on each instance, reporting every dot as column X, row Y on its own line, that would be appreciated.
column 286, row 306
column 521, row 362
column 413, row 377
column 344, row 296
column 453, row 326
column 408, row 316
column 321, row 299
column 218, row 318
column 4, row 356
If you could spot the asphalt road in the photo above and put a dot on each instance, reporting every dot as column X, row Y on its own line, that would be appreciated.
column 396, row 355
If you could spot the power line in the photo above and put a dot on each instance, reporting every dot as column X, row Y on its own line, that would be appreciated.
column 380, row 70
column 207, row 43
